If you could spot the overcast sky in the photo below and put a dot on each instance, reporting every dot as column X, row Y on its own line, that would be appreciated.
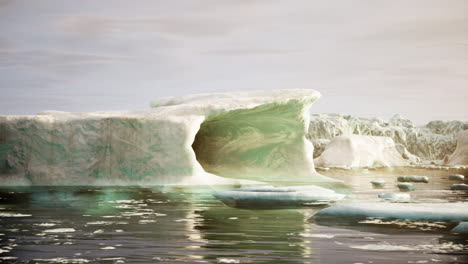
column 367, row 58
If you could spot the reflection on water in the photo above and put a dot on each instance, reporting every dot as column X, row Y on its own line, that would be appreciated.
column 150, row 225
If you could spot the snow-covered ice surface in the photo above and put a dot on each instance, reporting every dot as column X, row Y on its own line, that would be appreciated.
column 182, row 140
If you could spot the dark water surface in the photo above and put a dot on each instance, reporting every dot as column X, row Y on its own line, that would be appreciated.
column 170, row 225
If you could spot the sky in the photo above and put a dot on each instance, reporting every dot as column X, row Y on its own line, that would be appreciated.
column 367, row 58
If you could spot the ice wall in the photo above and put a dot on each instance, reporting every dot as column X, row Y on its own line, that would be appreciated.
column 460, row 155
column 430, row 142
column 360, row 151
column 240, row 130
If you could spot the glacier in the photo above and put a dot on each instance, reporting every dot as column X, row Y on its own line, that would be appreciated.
column 433, row 141
column 193, row 140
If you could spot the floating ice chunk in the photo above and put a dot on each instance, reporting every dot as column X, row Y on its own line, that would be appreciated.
column 378, row 183
column 227, row 260
column 459, row 187
column 13, row 215
column 395, row 196
column 316, row 235
column 461, row 227
column 456, row 177
column 107, row 248
column 405, row 186
column 60, row 230
column 45, row 224
column 415, row 211
column 293, row 193
column 413, row 178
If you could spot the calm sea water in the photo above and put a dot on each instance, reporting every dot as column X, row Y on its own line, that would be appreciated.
column 187, row 225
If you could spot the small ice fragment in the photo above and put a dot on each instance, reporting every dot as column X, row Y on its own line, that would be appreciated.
column 60, row 230
column 227, row 260
column 405, row 186
column 107, row 248
column 413, row 178
column 13, row 215
column 316, row 235
column 456, row 177
column 378, row 184
column 462, row 227
column 45, row 224
column 459, row 187
column 395, row 196
column 98, row 231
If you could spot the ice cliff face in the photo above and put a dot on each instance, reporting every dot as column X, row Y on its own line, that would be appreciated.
column 431, row 142
column 256, row 136
column 360, row 151
column 460, row 155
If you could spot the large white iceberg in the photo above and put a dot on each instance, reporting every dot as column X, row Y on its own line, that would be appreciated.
column 460, row 155
column 360, row 151
column 182, row 140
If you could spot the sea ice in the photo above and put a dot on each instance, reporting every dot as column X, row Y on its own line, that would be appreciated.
column 284, row 194
column 459, row 187
column 378, row 183
column 413, row 178
column 444, row 212
column 456, row 177
column 395, row 196
column 462, row 227
column 405, row 186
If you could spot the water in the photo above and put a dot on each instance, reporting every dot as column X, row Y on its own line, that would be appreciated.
column 174, row 225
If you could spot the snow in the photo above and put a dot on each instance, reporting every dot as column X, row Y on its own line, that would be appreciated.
column 360, row 151
column 199, row 139
column 444, row 212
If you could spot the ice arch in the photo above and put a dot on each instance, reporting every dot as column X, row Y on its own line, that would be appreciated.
column 250, row 135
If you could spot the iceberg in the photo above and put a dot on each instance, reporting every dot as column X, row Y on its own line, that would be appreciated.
column 432, row 141
column 360, row 151
column 444, row 212
column 194, row 140
column 460, row 155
